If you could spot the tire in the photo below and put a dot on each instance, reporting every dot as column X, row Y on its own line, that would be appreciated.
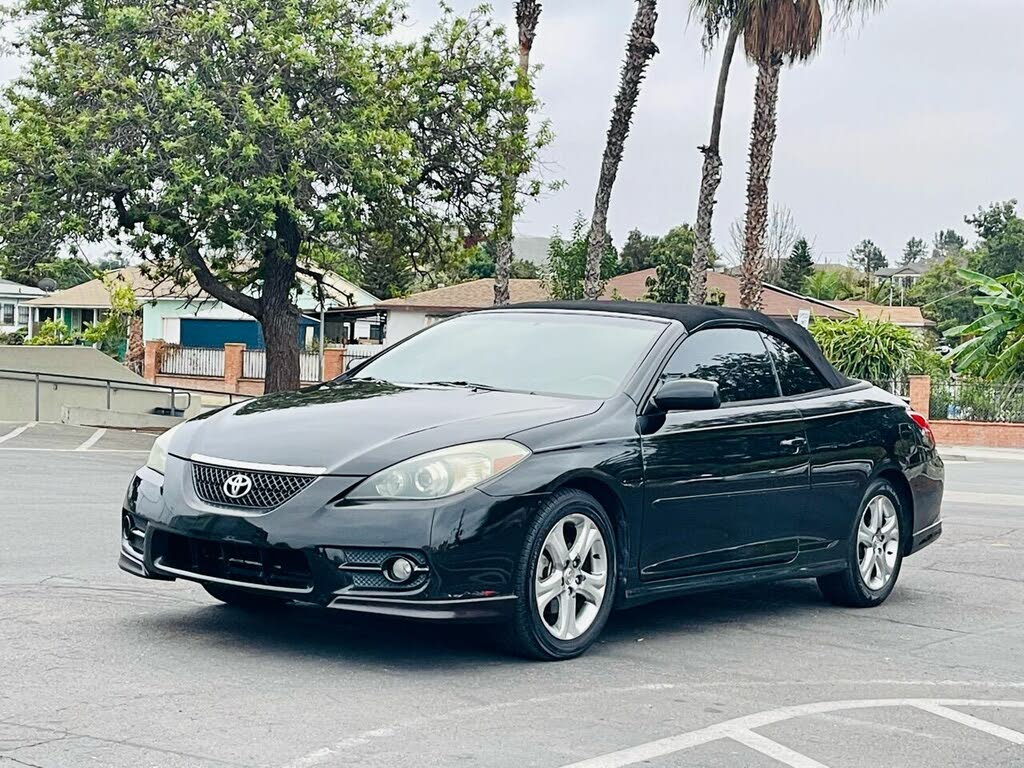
column 855, row 587
column 532, row 632
column 240, row 598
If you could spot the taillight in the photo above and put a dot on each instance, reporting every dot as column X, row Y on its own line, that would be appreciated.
column 925, row 427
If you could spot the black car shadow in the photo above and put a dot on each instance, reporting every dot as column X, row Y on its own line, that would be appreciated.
column 325, row 635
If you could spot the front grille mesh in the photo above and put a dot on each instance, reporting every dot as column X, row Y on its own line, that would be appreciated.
column 269, row 489
column 259, row 566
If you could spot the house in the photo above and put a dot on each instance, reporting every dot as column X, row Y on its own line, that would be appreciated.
column 902, row 278
column 405, row 316
column 189, row 317
column 14, row 309
column 908, row 317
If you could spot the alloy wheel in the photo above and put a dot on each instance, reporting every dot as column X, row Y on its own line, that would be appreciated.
column 571, row 577
column 878, row 542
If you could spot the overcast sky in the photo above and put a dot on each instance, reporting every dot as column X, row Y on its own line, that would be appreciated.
column 900, row 126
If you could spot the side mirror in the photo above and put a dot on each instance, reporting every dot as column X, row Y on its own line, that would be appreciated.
column 688, row 395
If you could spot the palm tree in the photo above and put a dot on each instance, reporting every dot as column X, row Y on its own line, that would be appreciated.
column 639, row 51
column 775, row 32
column 714, row 13
column 527, row 17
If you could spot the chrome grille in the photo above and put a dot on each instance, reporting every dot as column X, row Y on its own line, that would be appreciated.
column 268, row 489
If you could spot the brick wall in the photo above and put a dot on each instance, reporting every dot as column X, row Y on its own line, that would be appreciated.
column 979, row 433
column 982, row 434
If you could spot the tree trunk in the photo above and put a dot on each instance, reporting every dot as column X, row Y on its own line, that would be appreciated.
column 527, row 17
column 711, row 177
column 762, row 144
column 640, row 50
column 278, row 317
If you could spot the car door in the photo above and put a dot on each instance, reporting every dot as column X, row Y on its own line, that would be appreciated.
column 725, row 488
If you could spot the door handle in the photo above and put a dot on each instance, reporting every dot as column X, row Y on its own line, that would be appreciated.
column 794, row 442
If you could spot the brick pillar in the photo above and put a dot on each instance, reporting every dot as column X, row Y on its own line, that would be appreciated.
column 334, row 362
column 151, row 359
column 921, row 394
column 233, row 353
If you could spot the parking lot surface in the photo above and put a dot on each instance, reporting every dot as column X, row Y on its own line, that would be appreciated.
column 98, row 668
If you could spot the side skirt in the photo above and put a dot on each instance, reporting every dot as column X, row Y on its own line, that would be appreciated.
column 650, row 591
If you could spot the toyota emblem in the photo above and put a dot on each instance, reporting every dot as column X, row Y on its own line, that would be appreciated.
column 237, row 486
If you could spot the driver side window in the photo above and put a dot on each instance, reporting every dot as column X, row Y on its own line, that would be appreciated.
column 735, row 358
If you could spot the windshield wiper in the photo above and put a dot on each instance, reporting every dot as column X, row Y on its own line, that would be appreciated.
column 466, row 384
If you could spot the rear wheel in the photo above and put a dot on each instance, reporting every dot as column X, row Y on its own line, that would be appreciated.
column 565, row 579
column 240, row 598
column 874, row 554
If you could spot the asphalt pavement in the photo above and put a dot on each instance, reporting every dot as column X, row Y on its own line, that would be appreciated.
column 98, row 668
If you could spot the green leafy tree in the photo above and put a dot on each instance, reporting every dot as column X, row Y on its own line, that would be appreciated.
column 828, row 285
column 798, row 267
column 53, row 333
column 1001, row 251
column 913, row 251
column 944, row 296
column 567, row 263
column 637, row 252
column 230, row 140
column 994, row 345
column 873, row 350
column 868, row 257
column 110, row 334
column 947, row 243
column 673, row 255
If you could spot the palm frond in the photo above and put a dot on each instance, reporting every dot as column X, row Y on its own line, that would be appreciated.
column 784, row 30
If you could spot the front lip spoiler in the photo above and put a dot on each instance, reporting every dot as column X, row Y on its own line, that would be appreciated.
column 161, row 568
column 483, row 609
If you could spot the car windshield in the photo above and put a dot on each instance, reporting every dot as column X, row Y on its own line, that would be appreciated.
column 570, row 353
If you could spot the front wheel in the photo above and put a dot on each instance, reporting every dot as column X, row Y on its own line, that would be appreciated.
column 874, row 554
column 565, row 579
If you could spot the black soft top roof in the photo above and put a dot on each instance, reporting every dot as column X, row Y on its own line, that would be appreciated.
column 695, row 316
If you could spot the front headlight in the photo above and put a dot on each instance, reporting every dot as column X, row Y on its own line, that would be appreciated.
column 442, row 473
column 158, row 453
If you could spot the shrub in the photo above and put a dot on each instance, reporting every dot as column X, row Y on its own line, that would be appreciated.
column 874, row 350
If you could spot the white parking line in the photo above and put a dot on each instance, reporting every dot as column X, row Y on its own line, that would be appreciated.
column 93, row 439
column 1008, row 734
column 774, row 750
column 15, row 432
column 739, row 728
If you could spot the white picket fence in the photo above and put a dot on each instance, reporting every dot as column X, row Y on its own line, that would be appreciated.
column 196, row 361
column 254, row 365
column 192, row 361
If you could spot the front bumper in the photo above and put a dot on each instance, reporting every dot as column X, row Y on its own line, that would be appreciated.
column 318, row 548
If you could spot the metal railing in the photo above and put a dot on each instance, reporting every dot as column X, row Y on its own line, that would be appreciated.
column 974, row 400
column 111, row 386
column 192, row 361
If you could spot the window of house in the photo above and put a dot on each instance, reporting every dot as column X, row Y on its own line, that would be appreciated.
column 7, row 314
column 736, row 358
column 22, row 315
column 796, row 375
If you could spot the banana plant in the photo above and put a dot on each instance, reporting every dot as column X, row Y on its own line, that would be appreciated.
column 993, row 345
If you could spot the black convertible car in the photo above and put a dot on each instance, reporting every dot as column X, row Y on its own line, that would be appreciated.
column 540, row 465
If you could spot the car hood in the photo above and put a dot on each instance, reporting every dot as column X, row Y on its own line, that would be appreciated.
column 358, row 427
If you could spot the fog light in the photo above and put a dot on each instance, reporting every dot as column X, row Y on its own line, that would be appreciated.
column 126, row 526
column 399, row 570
